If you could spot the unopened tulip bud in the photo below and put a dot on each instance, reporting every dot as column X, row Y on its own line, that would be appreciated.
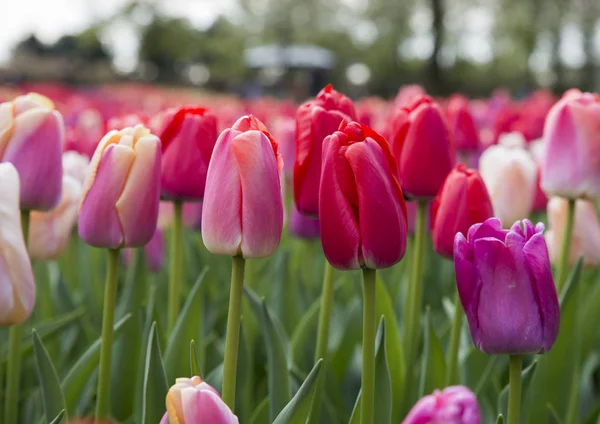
column 75, row 165
column 453, row 405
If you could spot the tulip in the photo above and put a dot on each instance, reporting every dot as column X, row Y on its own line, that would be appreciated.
column 121, row 192
column 585, row 239
column 571, row 159
column 422, row 146
column 75, row 165
column 32, row 139
column 453, row 405
column 462, row 202
column 316, row 120
column 188, row 138
column 303, row 226
column 192, row 401
column 509, row 175
column 505, row 284
column 512, row 139
column 153, row 252
column 17, row 288
column 50, row 232
column 88, row 130
column 461, row 124
column 362, row 209
column 243, row 207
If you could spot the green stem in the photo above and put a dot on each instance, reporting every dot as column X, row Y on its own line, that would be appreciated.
column 565, row 252
column 452, row 370
column 322, row 339
column 13, row 373
column 412, row 328
column 232, row 339
column 108, row 318
column 514, row 394
column 175, row 264
column 367, row 410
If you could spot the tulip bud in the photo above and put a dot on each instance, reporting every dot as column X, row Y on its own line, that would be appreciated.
column 88, row 130
column 585, row 238
column 509, row 175
column 192, row 401
column 50, row 232
column 461, row 124
column 422, row 146
column 75, row 165
column 188, row 138
column 32, row 139
column 505, row 284
column 316, row 120
column 243, row 207
column 17, row 288
column 570, row 163
column 121, row 192
column 303, row 226
column 361, row 205
column 462, row 201
column 453, row 405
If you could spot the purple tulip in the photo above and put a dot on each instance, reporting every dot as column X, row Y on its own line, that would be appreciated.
column 453, row 405
column 303, row 226
column 505, row 285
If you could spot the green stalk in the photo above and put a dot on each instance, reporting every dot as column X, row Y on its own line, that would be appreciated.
column 232, row 339
column 322, row 339
column 108, row 318
column 514, row 393
column 175, row 264
column 13, row 372
column 452, row 370
column 367, row 410
column 412, row 329
column 563, row 266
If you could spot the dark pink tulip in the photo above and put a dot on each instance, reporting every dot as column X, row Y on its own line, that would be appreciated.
column 505, row 284
column 461, row 124
column 361, row 205
column 453, row 405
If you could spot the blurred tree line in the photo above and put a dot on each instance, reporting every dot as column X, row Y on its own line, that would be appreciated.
column 471, row 46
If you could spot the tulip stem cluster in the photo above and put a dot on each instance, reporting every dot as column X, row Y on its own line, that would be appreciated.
column 323, row 338
column 233, row 330
column 367, row 411
column 563, row 270
column 514, row 394
column 108, row 317
column 175, row 263
column 13, row 372
column 451, row 371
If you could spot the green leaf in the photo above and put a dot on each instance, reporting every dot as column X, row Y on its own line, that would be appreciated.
column 433, row 365
column 296, row 412
column 303, row 331
column 53, row 399
column 155, row 382
column 186, row 328
column 526, row 376
column 393, row 347
column 500, row 419
column 194, row 369
column 553, row 415
column 58, row 418
column 355, row 417
column 280, row 391
column 261, row 413
column 75, row 381
column 572, row 282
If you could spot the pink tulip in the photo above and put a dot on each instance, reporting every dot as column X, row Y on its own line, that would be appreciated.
column 32, row 139
column 453, row 405
column 192, row 401
column 461, row 124
column 571, row 160
column 154, row 253
column 17, row 288
column 75, row 165
column 243, row 206
column 121, row 191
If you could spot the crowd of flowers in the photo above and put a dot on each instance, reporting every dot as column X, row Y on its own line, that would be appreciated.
column 360, row 233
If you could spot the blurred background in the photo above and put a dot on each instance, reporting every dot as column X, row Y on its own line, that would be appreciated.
column 294, row 47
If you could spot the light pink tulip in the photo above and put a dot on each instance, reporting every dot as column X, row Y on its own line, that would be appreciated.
column 75, row 165
column 585, row 239
column 510, row 177
column 17, row 288
column 121, row 192
column 453, row 405
column 243, row 207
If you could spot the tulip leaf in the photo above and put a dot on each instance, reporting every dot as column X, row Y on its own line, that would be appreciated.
column 74, row 382
column 186, row 328
column 194, row 368
column 500, row 419
column 296, row 412
column 553, row 415
column 350, row 337
column 572, row 282
column 53, row 399
column 355, row 417
column 280, row 391
column 155, row 382
column 59, row 417
column 393, row 347
column 433, row 365
column 526, row 376
column 301, row 337
column 261, row 413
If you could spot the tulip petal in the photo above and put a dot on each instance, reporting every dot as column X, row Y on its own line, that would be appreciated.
column 221, row 214
column 468, row 282
column 99, row 223
column 379, row 202
column 138, row 209
column 211, row 409
column 262, row 203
